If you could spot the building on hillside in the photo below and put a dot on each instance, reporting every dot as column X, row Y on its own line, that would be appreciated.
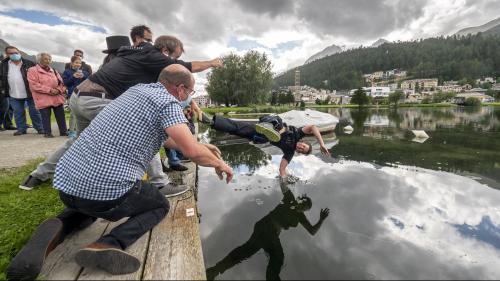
column 423, row 84
column 461, row 97
column 413, row 98
column 450, row 88
column 491, row 80
column 203, row 100
column 477, row 90
column 375, row 92
column 340, row 99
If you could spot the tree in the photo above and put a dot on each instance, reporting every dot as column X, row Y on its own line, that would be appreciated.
column 472, row 102
column 274, row 97
column 396, row 97
column 290, row 98
column 241, row 80
column 302, row 104
column 360, row 98
column 491, row 93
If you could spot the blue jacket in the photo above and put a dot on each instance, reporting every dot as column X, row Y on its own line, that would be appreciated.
column 70, row 81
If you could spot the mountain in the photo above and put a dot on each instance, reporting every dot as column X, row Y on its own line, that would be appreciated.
column 59, row 66
column 328, row 51
column 379, row 42
column 494, row 31
column 476, row 29
column 444, row 58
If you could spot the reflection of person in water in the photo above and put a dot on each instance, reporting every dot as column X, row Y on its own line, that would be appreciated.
column 266, row 232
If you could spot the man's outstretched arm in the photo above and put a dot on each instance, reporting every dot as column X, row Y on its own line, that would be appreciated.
column 199, row 66
column 283, row 165
column 313, row 130
column 183, row 140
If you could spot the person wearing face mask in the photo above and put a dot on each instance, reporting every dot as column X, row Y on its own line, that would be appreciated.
column 14, row 86
column 141, row 64
column 49, row 93
column 72, row 77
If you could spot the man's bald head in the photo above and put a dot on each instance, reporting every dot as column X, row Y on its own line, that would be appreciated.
column 176, row 74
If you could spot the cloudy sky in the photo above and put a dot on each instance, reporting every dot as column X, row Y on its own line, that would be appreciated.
column 289, row 31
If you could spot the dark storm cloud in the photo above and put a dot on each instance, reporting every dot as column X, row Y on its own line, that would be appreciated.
column 358, row 19
column 273, row 8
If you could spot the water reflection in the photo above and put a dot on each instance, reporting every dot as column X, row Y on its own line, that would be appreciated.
column 396, row 222
column 400, row 209
column 289, row 213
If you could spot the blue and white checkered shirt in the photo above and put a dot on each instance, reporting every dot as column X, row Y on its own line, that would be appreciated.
column 114, row 151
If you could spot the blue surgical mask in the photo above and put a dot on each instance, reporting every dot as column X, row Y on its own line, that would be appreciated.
column 15, row 57
column 187, row 102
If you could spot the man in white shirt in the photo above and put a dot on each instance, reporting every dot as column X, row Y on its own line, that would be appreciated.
column 13, row 75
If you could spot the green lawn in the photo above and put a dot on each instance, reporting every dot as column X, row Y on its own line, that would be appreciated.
column 22, row 211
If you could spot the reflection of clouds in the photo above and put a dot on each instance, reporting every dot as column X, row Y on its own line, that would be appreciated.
column 363, row 237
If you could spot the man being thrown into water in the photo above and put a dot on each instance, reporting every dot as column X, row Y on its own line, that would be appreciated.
column 270, row 129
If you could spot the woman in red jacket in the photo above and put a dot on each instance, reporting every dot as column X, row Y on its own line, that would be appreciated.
column 49, row 93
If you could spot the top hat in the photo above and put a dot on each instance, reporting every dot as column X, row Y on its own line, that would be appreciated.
column 115, row 42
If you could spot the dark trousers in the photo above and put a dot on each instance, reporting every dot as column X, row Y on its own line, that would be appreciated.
column 5, row 113
column 238, row 128
column 60, row 118
column 143, row 204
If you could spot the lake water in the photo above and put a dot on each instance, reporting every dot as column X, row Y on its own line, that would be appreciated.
column 400, row 208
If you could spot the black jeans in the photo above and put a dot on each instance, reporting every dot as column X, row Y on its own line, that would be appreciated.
column 143, row 204
column 60, row 118
column 238, row 128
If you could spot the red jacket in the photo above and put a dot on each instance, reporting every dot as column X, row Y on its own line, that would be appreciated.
column 41, row 81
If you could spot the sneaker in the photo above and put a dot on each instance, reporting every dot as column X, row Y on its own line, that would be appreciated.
column 18, row 133
column 30, row 182
column 207, row 119
column 49, row 135
column 11, row 128
column 178, row 167
column 72, row 134
column 2, row 129
column 171, row 190
column 65, row 134
column 40, row 132
column 27, row 264
column 267, row 130
column 106, row 257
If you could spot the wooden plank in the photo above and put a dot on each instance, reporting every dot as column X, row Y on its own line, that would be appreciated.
column 138, row 250
column 175, row 247
column 60, row 264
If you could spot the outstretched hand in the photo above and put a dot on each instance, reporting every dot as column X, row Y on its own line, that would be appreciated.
column 224, row 169
column 324, row 150
column 324, row 213
column 217, row 62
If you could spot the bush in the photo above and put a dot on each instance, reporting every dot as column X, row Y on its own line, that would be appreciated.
column 472, row 102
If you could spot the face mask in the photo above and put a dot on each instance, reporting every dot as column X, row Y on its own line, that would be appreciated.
column 187, row 102
column 15, row 57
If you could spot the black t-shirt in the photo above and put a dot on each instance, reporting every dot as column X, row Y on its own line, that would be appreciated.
column 132, row 66
column 288, row 141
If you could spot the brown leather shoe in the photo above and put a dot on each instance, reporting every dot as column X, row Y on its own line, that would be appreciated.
column 108, row 258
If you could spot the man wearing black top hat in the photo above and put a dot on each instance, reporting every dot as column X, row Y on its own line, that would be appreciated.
column 114, row 43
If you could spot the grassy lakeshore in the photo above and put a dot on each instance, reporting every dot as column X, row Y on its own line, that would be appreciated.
column 22, row 211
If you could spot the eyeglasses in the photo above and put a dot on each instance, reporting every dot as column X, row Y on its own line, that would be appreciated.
column 189, row 91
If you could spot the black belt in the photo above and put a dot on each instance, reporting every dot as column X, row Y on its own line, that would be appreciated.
column 102, row 95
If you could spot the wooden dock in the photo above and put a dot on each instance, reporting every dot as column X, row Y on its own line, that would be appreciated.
column 171, row 250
